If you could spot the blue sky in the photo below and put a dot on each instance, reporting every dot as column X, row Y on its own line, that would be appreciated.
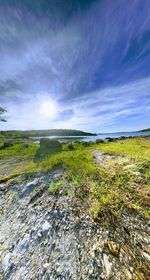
column 78, row 64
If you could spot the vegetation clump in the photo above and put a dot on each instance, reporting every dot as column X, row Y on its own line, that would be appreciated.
column 2, row 111
column 70, row 147
column 55, row 186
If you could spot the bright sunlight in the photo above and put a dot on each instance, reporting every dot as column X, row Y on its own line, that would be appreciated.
column 48, row 108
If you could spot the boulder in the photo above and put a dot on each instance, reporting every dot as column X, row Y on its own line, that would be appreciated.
column 99, row 141
column 46, row 143
column 48, row 147
column 109, row 139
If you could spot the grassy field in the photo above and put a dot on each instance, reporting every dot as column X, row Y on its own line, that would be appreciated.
column 104, row 191
column 136, row 148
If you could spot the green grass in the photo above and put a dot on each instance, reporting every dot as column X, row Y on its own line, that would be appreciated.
column 19, row 151
column 1, row 142
column 136, row 148
column 105, row 193
column 55, row 186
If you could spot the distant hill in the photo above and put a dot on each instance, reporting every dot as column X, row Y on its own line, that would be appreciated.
column 144, row 130
column 49, row 132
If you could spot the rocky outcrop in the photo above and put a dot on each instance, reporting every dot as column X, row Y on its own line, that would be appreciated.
column 49, row 235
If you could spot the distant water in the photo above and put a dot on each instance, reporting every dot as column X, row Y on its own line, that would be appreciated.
column 94, row 138
column 120, row 134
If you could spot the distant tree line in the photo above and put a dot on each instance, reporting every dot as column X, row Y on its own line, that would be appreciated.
column 45, row 133
column 144, row 130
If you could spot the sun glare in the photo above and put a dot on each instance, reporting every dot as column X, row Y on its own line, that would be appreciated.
column 48, row 109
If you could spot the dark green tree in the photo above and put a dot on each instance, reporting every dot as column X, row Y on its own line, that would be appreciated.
column 2, row 111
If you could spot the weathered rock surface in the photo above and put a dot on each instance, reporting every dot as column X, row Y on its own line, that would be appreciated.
column 106, row 161
column 46, row 235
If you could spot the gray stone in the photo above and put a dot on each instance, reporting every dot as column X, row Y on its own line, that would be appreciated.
column 28, row 188
column 23, row 244
column 45, row 226
column 147, row 256
column 108, row 265
column 6, row 261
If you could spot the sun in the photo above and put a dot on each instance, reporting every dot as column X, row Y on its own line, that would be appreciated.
column 48, row 108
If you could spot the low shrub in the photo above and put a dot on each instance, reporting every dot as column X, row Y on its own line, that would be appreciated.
column 70, row 147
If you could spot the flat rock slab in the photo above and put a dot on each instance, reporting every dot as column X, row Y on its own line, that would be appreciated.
column 105, row 160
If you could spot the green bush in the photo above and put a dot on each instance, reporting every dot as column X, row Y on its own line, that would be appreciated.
column 70, row 147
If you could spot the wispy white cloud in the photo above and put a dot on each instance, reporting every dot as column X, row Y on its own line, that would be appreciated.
column 94, row 65
column 110, row 106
